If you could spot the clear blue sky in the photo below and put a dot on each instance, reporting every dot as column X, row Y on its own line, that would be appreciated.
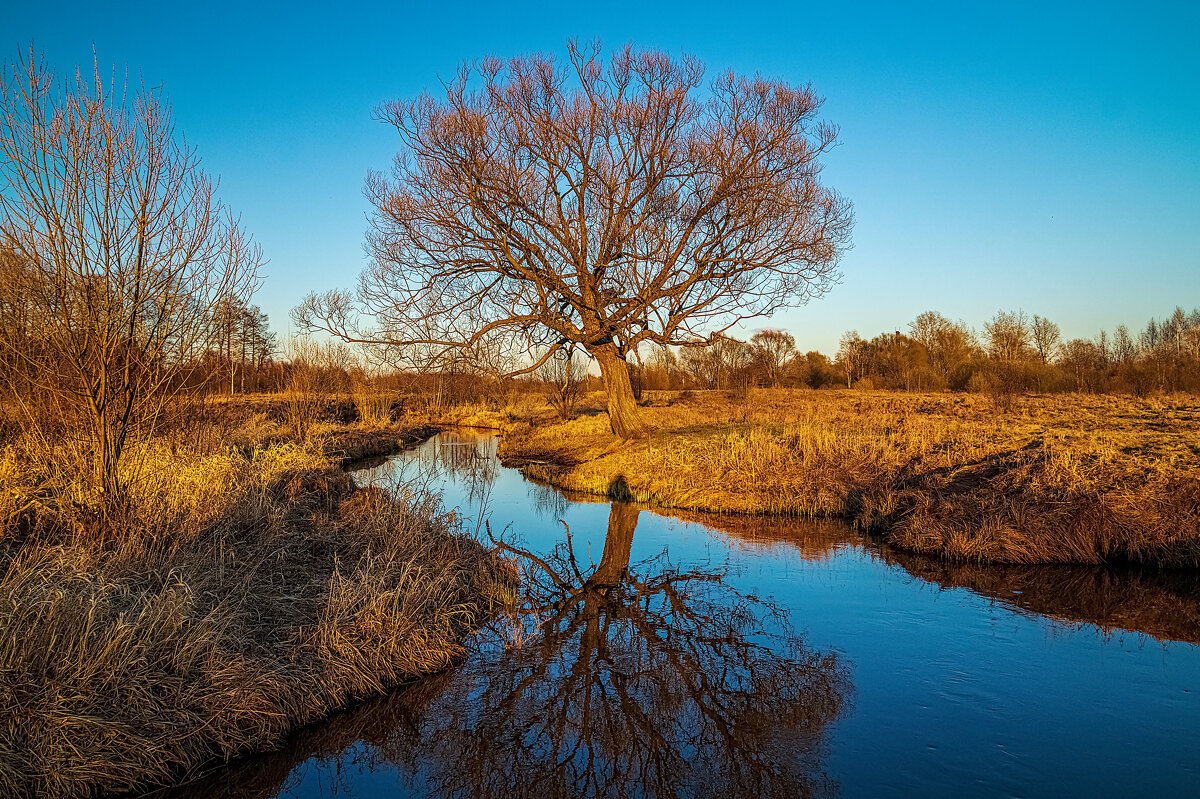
column 1042, row 156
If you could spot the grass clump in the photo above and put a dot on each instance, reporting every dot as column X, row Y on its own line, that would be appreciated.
column 231, row 597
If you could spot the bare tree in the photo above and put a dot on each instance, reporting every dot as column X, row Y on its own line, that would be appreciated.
column 1008, row 335
column 1045, row 336
column 948, row 344
column 1124, row 350
column 812, row 369
column 601, row 203
column 662, row 370
column 852, row 356
column 122, row 248
column 715, row 364
column 1175, row 330
column 772, row 351
column 241, row 339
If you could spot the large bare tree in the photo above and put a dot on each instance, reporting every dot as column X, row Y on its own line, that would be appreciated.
column 114, row 252
column 601, row 201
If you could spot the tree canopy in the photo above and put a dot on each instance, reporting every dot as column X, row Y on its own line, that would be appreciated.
column 598, row 203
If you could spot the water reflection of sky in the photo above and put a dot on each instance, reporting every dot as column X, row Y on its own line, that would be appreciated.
column 953, row 683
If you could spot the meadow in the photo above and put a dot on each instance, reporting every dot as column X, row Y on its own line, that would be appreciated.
column 244, row 586
column 1063, row 478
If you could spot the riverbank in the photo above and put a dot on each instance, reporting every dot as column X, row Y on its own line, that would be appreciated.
column 241, row 590
column 1053, row 479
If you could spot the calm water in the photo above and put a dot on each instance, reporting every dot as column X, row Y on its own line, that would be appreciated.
column 660, row 656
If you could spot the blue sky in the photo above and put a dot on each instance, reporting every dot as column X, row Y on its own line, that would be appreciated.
column 1041, row 156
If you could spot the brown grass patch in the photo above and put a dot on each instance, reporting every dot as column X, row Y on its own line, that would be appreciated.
column 1060, row 478
column 232, row 598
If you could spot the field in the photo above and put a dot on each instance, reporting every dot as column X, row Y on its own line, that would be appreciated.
column 242, row 588
column 1063, row 478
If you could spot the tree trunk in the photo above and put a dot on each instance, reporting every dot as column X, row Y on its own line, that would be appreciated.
column 622, row 408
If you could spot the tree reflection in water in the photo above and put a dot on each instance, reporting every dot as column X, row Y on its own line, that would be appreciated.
column 607, row 681
column 640, row 682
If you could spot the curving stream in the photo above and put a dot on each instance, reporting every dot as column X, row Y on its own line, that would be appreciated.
column 687, row 655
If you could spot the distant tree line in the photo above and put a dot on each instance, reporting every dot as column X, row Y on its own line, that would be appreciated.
column 1013, row 352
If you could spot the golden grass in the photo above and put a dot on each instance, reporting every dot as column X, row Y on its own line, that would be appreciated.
column 1061, row 478
column 233, row 597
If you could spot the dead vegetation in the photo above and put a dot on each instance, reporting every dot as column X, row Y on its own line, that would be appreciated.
column 1057, row 479
column 235, row 593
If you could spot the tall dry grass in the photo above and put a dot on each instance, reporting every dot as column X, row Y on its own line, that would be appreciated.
column 231, row 598
column 1062, row 478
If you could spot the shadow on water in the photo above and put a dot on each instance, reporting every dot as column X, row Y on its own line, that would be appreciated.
column 1162, row 604
column 606, row 680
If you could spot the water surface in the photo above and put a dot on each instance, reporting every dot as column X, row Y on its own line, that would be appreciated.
column 689, row 655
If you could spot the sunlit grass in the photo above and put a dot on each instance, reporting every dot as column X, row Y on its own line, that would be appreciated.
column 1062, row 478
column 235, row 593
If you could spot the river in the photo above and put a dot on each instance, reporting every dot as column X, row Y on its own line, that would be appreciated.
column 687, row 655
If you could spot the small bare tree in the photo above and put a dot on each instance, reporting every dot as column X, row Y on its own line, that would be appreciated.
column 316, row 373
column 600, row 203
column 1045, row 336
column 853, row 356
column 566, row 374
column 120, row 250
column 716, row 364
column 772, row 351
column 949, row 344
column 1008, row 336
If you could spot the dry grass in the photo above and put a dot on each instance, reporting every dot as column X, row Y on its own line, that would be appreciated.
column 268, row 415
column 490, row 415
column 231, row 598
column 1062, row 478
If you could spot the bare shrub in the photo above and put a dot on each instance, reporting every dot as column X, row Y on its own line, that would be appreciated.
column 566, row 376
column 372, row 400
column 316, row 374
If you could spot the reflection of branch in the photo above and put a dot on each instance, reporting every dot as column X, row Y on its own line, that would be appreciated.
column 665, row 660
column 524, row 553
column 571, row 551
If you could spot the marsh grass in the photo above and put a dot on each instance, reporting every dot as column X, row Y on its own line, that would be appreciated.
column 1062, row 478
column 231, row 597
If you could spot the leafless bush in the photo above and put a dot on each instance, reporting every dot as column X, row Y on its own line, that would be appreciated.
column 316, row 373
column 566, row 376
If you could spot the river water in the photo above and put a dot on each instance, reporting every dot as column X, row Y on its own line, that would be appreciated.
column 688, row 655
